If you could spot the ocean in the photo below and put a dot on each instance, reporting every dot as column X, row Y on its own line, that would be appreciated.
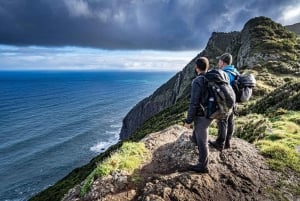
column 54, row 121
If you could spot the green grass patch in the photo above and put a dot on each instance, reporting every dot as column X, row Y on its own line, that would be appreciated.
column 281, row 145
column 280, row 154
column 252, row 127
column 277, row 135
column 129, row 157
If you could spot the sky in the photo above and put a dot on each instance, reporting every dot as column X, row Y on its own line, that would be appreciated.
column 122, row 34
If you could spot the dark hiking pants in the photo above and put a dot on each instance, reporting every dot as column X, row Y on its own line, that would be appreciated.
column 225, row 130
column 200, row 133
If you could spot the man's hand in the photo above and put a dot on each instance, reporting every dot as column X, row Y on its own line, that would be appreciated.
column 187, row 125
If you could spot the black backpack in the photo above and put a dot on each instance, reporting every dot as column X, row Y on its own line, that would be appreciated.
column 242, row 86
column 221, row 97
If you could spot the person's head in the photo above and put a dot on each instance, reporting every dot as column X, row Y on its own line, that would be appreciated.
column 202, row 65
column 224, row 60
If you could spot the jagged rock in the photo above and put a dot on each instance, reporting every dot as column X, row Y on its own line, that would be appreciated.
column 239, row 173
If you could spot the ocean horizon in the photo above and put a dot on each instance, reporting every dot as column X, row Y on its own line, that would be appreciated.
column 52, row 122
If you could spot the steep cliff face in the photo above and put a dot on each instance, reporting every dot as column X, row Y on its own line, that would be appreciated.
column 177, row 88
column 165, row 96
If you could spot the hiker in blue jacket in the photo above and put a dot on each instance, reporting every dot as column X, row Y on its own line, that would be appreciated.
column 225, row 127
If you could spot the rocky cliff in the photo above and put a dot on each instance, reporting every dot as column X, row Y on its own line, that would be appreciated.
column 261, row 42
column 177, row 88
column 167, row 95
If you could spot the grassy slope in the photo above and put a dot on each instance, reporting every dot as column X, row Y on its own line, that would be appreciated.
column 128, row 158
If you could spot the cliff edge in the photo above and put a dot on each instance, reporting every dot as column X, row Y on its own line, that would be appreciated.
column 239, row 173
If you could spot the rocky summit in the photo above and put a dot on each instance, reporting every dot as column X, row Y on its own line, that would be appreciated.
column 238, row 173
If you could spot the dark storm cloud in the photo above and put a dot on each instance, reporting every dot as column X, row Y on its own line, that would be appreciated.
column 128, row 24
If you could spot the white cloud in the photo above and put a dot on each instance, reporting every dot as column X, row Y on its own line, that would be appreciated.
column 120, row 16
column 78, row 8
column 74, row 58
column 290, row 15
column 104, row 14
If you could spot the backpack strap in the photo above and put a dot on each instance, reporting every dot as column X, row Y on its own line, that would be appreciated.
column 205, row 83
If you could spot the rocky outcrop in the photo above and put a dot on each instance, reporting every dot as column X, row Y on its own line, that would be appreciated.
column 219, row 43
column 258, row 41
column 239, row 173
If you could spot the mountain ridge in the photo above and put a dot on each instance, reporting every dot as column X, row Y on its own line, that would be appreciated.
column 253, row 47
column 294, row 27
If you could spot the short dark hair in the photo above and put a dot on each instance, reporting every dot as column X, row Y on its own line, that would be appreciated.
column 202, row 63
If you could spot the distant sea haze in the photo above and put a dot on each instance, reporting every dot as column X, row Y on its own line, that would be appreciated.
column 52, row 122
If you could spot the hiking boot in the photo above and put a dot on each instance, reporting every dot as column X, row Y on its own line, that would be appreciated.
column 216, row 145
column 197, row 168
column 227, row 145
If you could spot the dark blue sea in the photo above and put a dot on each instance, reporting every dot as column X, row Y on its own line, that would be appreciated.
column 52, row 122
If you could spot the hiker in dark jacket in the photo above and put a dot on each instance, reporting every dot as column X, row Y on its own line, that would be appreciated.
column 196, row 115
column 225, row 127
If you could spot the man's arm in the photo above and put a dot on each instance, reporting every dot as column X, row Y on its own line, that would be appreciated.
column 194, row 102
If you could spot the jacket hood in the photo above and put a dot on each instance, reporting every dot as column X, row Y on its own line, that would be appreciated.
column 230, row 68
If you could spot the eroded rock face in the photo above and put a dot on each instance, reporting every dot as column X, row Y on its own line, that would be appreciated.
column 238, row 173
column 165, row 96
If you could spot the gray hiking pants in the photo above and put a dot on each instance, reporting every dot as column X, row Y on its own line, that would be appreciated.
column 200, row 134
column 225, row 129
